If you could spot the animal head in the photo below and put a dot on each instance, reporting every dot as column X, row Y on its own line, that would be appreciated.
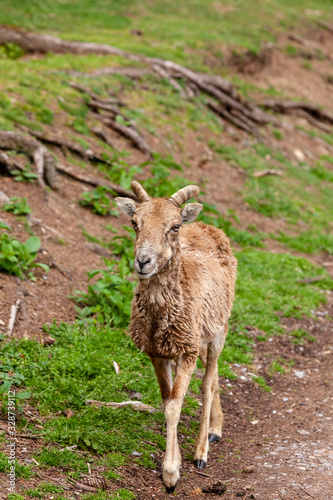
column 157, row 222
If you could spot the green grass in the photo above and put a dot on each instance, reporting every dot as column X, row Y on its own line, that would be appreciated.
column 21, row 471
column 303, row 193
column 208, row 26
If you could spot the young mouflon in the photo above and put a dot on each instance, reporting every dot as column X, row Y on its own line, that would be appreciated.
column 181, row 308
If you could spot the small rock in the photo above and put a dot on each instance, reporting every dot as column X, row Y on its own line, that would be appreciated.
column 248, row 469
column 136, row 454
column 303, row 432
column 255, row 422
column 3, row 198
column 299, row 374
column 299, row 155
column 135, row 395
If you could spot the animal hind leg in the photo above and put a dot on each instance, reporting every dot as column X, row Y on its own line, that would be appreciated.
column 208, row 390
column 216, row 414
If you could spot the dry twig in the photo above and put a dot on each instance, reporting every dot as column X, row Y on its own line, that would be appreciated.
column 13, row 314
column 136, row 405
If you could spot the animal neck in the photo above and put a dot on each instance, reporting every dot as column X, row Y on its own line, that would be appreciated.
column 165, row 285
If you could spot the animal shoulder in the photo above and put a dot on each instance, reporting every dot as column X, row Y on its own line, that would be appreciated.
column 204, row 241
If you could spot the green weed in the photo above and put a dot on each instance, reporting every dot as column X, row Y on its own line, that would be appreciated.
column 98, row 200
column 18, row 206
column 24, row 175
column 311, row 241
column 300, row 336
column 109, row 299
column 19, row 258
column 42, row 490
column 262, row 383
column 10, row 51
column 21, row 471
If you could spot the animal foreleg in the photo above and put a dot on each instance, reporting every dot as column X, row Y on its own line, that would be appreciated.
column 173, row 407
column 164, row 376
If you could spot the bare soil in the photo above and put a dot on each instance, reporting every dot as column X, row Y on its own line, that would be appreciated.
column 275, row 445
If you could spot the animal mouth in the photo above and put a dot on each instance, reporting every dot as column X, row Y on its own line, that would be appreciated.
column 146, row 275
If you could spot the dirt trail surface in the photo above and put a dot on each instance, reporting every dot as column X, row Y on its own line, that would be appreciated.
column 275, row 446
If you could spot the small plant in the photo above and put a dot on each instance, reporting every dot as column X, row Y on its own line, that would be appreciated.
column 10, row 51
column 23, row 471
column 110, row 297
column 19, row 258
column 18, row 206
column 98, row 200
column 300, row 335
column 262, row 383
column 24, row 175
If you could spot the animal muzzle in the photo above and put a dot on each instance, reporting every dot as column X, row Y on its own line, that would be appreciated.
column 145, row 263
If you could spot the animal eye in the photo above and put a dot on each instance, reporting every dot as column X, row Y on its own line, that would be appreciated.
column 134, row 224
column 176, row 227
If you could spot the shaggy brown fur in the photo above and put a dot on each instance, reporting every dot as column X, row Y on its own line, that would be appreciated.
column 190, row 299
column 181, row 308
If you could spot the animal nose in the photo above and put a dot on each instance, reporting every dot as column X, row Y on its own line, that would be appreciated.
column 144, row 259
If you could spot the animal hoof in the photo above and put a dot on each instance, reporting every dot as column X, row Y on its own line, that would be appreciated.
column 213, row 437
column 170, row 489
column 200, row 464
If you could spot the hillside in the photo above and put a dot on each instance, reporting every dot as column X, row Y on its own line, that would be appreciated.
column 236, row 98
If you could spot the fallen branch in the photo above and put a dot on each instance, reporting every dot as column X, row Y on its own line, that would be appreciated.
column 13, row 314
column 84, row 487
column 94, row 181
column 136, row 405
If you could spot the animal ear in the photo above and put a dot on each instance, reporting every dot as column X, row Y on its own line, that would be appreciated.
column 191, row 211
column 126, row 205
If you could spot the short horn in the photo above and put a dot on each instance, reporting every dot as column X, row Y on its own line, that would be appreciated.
column 184, row 194
column 139, row 192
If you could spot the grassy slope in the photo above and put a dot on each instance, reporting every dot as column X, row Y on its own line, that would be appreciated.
column 79, row 365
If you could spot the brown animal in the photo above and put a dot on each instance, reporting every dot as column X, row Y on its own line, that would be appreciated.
column 181, row 308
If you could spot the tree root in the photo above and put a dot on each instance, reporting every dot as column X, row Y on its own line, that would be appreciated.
column 129, row 131
column 291, row 106
column 225, row 101
column 238, row 110
column 72, row 146
column 43, row 160
column 93, row 181
column 315, row 49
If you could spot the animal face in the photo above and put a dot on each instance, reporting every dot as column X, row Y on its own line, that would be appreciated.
column 157, row 222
